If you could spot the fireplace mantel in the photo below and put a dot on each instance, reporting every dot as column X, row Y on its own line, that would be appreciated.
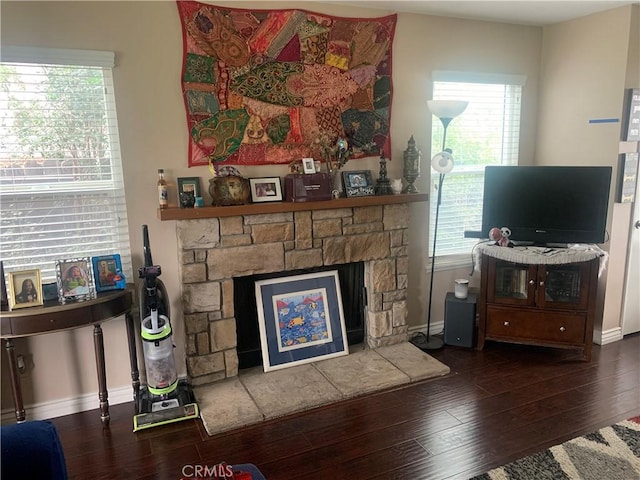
column 279, row 207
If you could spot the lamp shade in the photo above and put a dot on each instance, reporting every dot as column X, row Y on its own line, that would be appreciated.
column 442, row 162
column 447, row 108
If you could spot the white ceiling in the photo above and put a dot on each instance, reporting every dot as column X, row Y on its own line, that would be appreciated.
column 522, row 12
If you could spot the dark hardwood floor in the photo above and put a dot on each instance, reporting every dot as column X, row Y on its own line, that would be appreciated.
column 497, row 405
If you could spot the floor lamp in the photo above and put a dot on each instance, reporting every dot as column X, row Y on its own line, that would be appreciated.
column 445, row 110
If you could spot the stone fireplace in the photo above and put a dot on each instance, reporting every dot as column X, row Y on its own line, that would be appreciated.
column 213, row 251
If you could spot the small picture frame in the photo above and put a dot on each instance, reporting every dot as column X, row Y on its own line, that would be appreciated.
column 358, row 183
column 301, row 319
column 107, row 271
column 75, row 279
column 189, row 184
column 266, row 189
column 308, row 165
column 25, row 289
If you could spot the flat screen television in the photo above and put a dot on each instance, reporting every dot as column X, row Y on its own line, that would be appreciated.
column 547, row 204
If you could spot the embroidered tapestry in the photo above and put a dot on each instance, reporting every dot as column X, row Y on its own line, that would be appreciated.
column 274, row 86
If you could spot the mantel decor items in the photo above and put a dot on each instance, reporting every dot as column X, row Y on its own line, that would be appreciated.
column 188, row 191
column 266, row 189
column 411, row 166
column 383, row 184
column 229, row 188
column 358, row 183
column 260, row 86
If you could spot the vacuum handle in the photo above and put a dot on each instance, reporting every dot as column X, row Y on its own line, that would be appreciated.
column 148, row 262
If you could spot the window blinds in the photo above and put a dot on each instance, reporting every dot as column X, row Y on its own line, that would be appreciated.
column 61, row 184
column 487, row 133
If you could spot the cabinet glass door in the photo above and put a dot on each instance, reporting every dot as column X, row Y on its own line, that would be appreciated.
column 513, row 283
column 563, row 285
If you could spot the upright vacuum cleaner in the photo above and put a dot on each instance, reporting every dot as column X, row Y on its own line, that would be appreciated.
column 165, row 398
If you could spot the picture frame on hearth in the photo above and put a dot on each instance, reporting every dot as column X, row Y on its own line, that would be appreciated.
column 301, row 319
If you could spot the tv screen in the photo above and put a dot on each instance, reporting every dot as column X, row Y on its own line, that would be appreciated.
column 547, row 205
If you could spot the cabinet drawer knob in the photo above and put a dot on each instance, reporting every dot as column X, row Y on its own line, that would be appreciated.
column 532, row 282
column 506, row 324
column 562, row 329
column 542, row 284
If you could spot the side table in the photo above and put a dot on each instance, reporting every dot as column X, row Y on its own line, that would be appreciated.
column 53, row 317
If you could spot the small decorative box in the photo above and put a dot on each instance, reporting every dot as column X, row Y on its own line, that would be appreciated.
column 308, row 187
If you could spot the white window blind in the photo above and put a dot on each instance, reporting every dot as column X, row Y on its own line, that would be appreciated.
column 487, row 133
column 61, row 185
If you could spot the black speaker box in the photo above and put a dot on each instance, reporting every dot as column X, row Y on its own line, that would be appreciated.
column 460, row 320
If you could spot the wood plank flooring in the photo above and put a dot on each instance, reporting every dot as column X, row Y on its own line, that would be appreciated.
column 497, row 405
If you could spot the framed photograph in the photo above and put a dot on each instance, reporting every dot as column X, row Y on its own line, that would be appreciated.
column 266, row 189
column 75, row 279
column 358, row 183
column 107, row 272
column 300, row 319
column 308, row 165
column 189, row 184
column 25, row 289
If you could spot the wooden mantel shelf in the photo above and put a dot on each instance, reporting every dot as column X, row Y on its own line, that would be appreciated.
column 279, row 207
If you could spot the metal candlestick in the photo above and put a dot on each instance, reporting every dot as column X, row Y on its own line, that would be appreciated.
column 383, row 184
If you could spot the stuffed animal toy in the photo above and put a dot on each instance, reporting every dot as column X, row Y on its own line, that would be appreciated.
column 500, row 236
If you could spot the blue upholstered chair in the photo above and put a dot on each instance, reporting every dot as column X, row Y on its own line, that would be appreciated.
column 31, row 450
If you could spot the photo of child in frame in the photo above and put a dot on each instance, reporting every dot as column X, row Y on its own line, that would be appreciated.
column 25, row 289
column 28, row 292
column 107, row 273
column 107, row 276
column 75, row 279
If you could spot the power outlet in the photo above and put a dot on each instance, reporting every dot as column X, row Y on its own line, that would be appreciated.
column 22, row 365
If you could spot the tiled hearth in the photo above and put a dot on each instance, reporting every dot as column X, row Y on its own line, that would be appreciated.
column 215, row 250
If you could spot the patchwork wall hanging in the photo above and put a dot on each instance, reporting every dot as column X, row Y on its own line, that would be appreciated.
column 274, row 86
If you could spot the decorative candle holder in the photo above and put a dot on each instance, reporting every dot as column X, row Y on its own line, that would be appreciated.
column 383, row 185
column 411, row 172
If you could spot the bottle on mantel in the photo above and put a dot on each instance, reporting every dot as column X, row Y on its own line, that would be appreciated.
column 163, row 195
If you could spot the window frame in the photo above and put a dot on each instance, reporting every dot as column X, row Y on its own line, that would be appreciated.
column 88, row 59
column 450, row 261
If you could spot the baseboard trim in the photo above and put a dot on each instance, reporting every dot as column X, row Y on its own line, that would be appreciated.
column 607, row 336
column 68, row 406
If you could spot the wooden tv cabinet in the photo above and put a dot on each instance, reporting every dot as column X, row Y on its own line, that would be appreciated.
column 530, row 301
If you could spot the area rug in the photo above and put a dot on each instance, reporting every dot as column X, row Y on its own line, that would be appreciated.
column 255, row 396
column 611, row 453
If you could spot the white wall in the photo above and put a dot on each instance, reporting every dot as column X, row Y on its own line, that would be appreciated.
column 583, row 77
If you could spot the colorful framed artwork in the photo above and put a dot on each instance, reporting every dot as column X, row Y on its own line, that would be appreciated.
column 25, row 289
column 266, row 189
column 301, row 319
column 107, row 272
column 358, row 183
column 75, row 279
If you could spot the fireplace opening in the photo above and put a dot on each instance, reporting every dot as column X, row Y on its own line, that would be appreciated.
column 351, row 277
